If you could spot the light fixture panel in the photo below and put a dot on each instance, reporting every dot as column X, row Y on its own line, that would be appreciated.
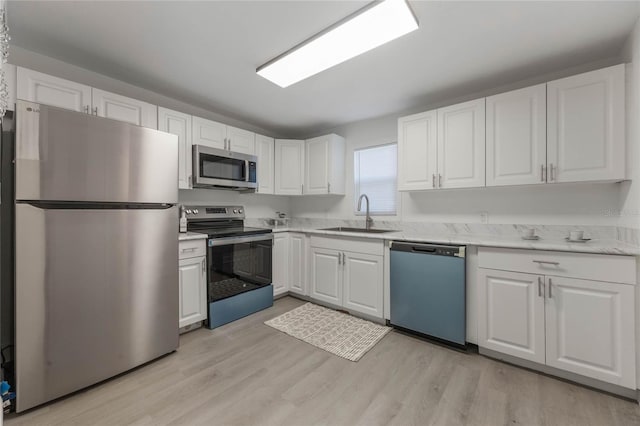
column 369, row 28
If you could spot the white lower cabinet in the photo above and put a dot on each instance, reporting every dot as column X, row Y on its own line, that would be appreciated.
column 362, row 285
column 590, row 329
column 582, row 326
column 297, row 266
column 280, row 262
column 192, row 283
column 347, row 273
column 326, row 275
column 512, row 314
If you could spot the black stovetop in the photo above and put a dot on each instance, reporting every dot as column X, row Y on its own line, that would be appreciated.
column 224, row 229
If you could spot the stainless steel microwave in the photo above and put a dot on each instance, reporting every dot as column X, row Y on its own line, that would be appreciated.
column 219, row 168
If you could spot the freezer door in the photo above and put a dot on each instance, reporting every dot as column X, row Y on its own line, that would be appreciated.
column 65, row 155
column 96, row 294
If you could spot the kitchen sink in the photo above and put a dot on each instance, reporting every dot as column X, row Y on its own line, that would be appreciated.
column 363, row 230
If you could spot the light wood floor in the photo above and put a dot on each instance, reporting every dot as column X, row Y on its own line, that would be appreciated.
column 246, row 373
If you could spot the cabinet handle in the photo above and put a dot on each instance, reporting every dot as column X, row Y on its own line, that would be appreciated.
column 189, row 180
column 542, row 173
column 328, row 187
column 204, row 269
column 184, row 250
column 540, row 287
column 343, row 259
column 546, row 262
column 229, row 144
column 551, row 174
column 302, row 188
column 339, row 258
column 550, row 284
column 86, row 109
column 439, row 180
column 433, row 180
column 95, row 110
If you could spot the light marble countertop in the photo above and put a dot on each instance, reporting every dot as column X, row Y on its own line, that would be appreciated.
column 599, row 246
column 191, row 236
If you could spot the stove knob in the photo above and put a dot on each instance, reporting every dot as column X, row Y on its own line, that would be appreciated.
column 235, row 211
column 195, row 211
column 240, row 211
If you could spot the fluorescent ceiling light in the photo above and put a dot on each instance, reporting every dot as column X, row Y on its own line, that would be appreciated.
column 367, row 29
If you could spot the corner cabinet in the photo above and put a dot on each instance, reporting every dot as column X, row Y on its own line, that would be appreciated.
column 192, row 284
column 347, row 273
column 265, row 151
column 179, row 124
column 289, row 170
column 570, row 311
column 324, row 165
column 585, row 129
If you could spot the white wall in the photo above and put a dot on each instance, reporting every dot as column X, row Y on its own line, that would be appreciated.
column 581, row 204
column 256, row 205
column 630, row 191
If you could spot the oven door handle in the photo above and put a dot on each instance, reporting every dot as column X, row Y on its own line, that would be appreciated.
column 215, row 242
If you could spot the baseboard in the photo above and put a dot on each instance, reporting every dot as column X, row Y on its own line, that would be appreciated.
column 610, row 388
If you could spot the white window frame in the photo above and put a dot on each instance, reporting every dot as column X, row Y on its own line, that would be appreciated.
column 356, row 189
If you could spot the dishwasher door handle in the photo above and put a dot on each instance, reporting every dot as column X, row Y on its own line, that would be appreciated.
column 423, row 249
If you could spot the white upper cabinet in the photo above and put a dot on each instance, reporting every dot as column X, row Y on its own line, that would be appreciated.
column 289, row 161
column 324, row 165
column 179, row 124
column 240, row 140
column 417, row 151
column 49, row 90
column 461, row 145
column 265, row 151
column 517, row 137
column 585, row 126
column 122, row 108
column 209, row 133
column 217, row 135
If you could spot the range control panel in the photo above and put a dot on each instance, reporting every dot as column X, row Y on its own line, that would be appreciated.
column 213, row 212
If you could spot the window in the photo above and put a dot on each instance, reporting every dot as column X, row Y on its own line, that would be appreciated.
column 375, row 174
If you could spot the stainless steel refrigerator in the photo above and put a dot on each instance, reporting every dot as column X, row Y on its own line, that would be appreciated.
column 96, row 243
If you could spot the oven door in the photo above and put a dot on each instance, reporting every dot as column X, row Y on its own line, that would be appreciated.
column 221, row 168
column 238, row 264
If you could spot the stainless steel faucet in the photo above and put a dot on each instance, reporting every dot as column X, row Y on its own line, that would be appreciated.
column 368, row 221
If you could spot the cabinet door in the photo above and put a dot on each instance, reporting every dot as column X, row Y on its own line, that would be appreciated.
column 363, row 276
column 585, row 126
column 241, row 140
column 461, row 145
column 122, row 108
column 45, row 89
column 511, row 313
column 280, row 277
column 316, row 171
column 179, row 124
column 590, row 329
column 297, row 269
column 517, row 137
column 209, row 133
column 417, row 151
column 265, row 151
column 326, row 275
column 193, row 290
column 289, row 176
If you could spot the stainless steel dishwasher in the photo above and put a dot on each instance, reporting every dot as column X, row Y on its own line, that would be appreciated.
column 428, row 293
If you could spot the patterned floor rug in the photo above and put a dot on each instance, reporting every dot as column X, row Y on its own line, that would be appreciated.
column 335, row 332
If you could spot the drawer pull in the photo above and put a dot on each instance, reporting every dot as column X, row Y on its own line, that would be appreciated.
column 188, row 249
column 546, row 262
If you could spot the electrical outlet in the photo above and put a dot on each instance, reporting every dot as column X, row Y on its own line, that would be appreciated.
column 484, row 217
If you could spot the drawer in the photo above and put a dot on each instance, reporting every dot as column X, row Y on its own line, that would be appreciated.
column 596, row 267
column 354, row 245
column 192, row 248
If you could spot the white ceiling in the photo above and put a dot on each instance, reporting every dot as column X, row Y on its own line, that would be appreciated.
column 206, row 53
